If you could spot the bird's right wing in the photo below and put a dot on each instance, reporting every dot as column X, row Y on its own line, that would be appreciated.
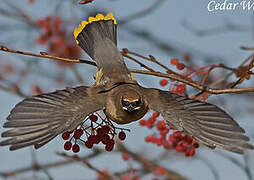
column 207, row 123
column 38, row 119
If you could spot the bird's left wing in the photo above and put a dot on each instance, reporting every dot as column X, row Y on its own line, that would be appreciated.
column 207, row 123
column 38, row 119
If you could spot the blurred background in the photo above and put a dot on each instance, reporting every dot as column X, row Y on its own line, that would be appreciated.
column 165, row 29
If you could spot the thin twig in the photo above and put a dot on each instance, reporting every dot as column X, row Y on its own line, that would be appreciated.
column 86, row 164
column 40, row 167
column 154, row 60
column 45, row 55
column 149, row 165
column 159, row 74
column 136, row 61
column 247, row 48
column 21, row 13
column 194, row 84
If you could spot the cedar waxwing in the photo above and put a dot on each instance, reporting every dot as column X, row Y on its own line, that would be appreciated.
column 38, row 119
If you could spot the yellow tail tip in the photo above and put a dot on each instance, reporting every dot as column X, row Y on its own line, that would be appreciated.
column 98, row 17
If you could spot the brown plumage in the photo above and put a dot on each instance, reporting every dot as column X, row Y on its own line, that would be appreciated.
column 37, row 120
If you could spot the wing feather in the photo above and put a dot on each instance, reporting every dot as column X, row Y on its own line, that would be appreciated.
column 37, row 120
column 207, row 123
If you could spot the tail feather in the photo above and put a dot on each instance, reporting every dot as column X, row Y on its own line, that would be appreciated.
column 95, row 30
column 98, row 38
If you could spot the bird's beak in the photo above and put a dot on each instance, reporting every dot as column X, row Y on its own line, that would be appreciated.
column 130, row 108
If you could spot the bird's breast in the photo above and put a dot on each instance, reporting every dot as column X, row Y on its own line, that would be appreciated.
column 117, row 114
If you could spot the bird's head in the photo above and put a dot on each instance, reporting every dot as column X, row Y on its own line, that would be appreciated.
column 131, row 101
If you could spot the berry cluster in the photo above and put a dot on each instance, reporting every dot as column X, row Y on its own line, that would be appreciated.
column 58, row 41
column 31, row 1
column 175, row 62
column 178, row 88
column 183, row 143
column 96, row 132
column 178, row 140
column 6, row 69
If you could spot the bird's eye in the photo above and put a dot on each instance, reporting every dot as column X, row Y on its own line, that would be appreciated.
column 138, row 102
column 125, row 103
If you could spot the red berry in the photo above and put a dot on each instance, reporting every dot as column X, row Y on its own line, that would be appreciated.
column 160, row 171
column 163, row 82
column 188, row 139
column 156, row 114
column 97, row 139
column 105, row 129
column 164, row 132
column 180, row 88
column 93, row 118
column 172, row 90
column 66, row 135
column 89, row 144
column 172, row 138
column 149, row 124
column 67, row 145
column 122, row 135
column 105, row 139
column 159, row 142
column 151, row 120
column 184, row 145
column 166, row 144
column 161, row 125
column 57, row 23
column 110, row 145
column 179, row 148
column 178, row 135
column 75, row 148
column 100, row 131
column 125, row 156
column 78, row 133
column 111, row 142
column 154, row 139
column 174, row 61
column 190, row 152
column 180, row 66
column 85, row 1
column 58, row 42
column 148, row 139
column 93, row 139
column 142, row 122
column 195, row 145
column 31, row 1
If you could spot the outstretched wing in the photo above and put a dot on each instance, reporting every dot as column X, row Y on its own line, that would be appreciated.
column 37, row 120
column 207, row 123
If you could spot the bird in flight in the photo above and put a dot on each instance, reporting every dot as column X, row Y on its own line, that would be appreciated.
column 37, row 120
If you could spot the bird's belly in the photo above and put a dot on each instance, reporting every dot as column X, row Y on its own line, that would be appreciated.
column 124, row 117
